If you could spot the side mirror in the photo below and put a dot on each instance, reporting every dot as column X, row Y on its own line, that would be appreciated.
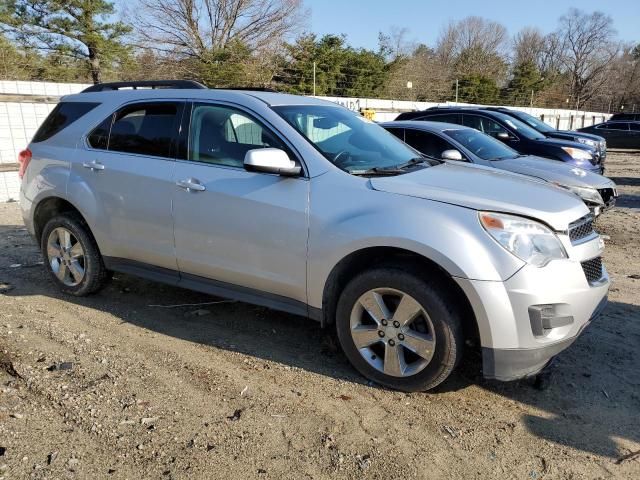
column 503, row 136
column 270, row 160
column 451, row 155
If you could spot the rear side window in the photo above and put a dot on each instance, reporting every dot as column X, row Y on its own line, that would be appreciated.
column 146, row 129
column 443, row 117
column 398, row 132
column 63, row 115
column 99, row 137
column 615, row 126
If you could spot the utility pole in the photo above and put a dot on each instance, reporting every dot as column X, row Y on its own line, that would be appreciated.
column 314, row 79
column 531, row 99
column 456, row 90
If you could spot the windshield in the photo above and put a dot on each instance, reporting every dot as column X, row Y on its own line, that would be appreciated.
column 348, row 140
column 519, row 126
column 484, row 146
column 534, row 122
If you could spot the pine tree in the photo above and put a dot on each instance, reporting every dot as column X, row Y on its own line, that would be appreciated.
column 69, row 28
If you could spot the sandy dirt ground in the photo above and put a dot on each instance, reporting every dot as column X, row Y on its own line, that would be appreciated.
column 113, row 386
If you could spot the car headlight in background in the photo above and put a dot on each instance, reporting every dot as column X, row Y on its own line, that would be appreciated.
column 578, row 154
column 587, row 194
column 586, row 141
column 527, row 239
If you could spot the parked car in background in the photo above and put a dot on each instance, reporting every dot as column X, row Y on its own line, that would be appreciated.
column 301, row 205
column 446, row 141
column 633, row 117
column 514, row 133
column 618, row 134
column 595, row 141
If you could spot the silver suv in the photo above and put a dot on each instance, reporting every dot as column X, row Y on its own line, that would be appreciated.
column 303, row 206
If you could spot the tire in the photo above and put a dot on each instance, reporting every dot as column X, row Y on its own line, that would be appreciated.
column 439, row 319
column 94, row 274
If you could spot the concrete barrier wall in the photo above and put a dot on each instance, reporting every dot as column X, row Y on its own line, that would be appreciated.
column 387, row 110
column 24, row 105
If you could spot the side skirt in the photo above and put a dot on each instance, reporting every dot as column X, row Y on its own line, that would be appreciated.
column 212, row 287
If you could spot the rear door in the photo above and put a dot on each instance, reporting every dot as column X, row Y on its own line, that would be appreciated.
column 616, row 133
column 238, row 228
column 128, row 162
column 634, row 135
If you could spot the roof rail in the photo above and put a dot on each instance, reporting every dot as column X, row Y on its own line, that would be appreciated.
column 248, row 89
column 177, row 84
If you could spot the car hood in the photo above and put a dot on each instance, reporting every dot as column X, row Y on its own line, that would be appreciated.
column 574, row 133
column 485, row 188
column 553, row 171
column 561, row 142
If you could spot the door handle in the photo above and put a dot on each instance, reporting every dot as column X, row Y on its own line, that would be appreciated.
column 191, row 185
column 93, row 165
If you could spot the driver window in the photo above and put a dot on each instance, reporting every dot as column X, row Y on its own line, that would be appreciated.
column 222, row 136
column 493, row 128
column 427, row 143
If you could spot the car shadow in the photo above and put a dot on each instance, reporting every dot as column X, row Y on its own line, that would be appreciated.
column 628, row 201
column 626, row 181
column 591, row 402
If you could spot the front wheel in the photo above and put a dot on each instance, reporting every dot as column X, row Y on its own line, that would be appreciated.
column 400, row 330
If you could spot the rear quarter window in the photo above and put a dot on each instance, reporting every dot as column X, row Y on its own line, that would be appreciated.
column 63, row 115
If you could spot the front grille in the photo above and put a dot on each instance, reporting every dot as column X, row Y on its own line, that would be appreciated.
column 581, row 228
column 592, row 269
column 608, row 195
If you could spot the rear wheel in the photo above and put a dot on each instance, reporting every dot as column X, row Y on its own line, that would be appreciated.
column 71, row 255
column 399, row 330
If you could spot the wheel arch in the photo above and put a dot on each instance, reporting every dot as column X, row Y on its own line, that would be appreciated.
column 359, row 260
column 48, row 208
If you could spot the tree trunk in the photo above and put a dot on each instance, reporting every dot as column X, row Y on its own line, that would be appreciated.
column 94, row 62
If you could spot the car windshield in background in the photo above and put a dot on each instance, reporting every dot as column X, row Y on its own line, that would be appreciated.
column 520, row 127
column 482, row 145
column 348, row 140
column 534, row 122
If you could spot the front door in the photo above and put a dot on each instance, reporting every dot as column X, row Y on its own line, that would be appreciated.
column 238, row 228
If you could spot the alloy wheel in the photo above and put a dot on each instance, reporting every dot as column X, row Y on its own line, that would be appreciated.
column 392, row 332
column 66, row 256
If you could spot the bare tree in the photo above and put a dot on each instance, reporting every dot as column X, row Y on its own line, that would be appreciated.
column 473, row 45
column 427, row 76
column 588, row 48
column 195, row 28
column 529, row 46
column 394, row 45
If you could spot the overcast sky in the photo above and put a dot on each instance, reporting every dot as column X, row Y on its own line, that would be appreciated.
column 361, row 20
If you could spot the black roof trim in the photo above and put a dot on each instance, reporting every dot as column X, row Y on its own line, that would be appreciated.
column 177, row 84
column 248, row 89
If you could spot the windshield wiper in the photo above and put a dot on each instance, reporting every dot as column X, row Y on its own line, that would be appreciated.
column 410, row 163
column 377, row 171
column 393, row 170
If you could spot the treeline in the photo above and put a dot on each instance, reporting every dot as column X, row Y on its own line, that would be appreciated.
column 223, row 43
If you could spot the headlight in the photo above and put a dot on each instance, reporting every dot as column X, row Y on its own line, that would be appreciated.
column 586, row 141
column 585, row 193
column 578, row 153
column 527, row 239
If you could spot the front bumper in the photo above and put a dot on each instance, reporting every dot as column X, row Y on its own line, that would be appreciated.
column 526, row 320
column 512, row 364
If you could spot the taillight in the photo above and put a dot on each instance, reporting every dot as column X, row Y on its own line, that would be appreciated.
column 24, row 157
